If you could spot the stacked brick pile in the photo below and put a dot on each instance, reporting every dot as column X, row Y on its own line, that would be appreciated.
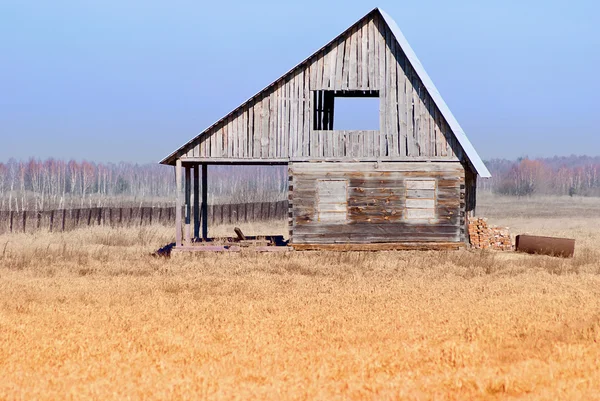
column 484, row 236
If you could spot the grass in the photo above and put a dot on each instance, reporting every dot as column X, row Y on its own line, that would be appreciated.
column 90, row 315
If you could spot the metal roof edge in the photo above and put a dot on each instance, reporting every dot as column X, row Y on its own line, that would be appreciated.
column 472, row 154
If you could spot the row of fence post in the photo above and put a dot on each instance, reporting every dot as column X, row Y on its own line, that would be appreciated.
column 68, row 219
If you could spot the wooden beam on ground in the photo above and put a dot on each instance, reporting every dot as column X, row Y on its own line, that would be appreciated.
column 178, row 239
column 204, row 201
column 239, row 234
column 197, row 201
column 188, row 203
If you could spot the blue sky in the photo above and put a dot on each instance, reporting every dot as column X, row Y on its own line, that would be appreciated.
column 132, row 80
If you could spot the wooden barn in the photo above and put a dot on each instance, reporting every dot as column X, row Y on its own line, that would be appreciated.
column 409, row 183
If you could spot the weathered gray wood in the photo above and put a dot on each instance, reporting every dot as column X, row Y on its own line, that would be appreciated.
column 257, row 145
column 178, row 203
column 364, row 68
column 353, row 73
column 264, row 139
column 371, row 54
column 420, row 203
column 380, row 207
column 339, row 64
column 276, row 124
column 420, row 184
column 419, row 214
column 188, row 203
column 223, row 160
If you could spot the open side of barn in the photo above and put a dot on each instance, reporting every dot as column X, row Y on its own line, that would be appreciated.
column 409, row 183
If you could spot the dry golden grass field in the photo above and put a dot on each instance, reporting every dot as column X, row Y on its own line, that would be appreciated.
column 90, row 315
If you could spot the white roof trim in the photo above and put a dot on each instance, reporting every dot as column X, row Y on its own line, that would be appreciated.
column 476, row 161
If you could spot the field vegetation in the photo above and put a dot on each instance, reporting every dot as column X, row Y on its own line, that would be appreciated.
column 89, row 314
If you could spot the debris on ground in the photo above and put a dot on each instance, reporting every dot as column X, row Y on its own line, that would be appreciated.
column 553, row 246
column 485, row 236
column 164, row 252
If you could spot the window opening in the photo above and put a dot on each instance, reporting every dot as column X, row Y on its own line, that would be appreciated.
column 357, row 110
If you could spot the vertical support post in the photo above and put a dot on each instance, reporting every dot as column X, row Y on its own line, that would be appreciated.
column 204, row 201
column 196, row 201
column 178, row 203
column 188, row 203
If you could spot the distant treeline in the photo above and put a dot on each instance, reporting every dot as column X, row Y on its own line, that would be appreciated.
column 58, row 184
column 570, row 175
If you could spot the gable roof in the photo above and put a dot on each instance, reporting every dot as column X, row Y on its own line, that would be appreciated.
column 459, row 133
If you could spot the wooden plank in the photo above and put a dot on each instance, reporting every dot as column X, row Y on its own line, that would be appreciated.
column 188, row 203
column 229, row 137
column 332, row 66
column 418, row 214
column 256, row 141
column 359, row 56
column 380, row 46
column 178, row 203
column 401, row 96
column 346, row 65
column 281, row 104
column 393, row 96
column 364, row 67
column 304, row 138
column 293, row 134
column 324, row 83
column 412, row 119
column 215, row 139
column 264, row 139
column 319, row 71
column 293, row 104
column 244, row 141
column 371, row 55
column 272, row 132
column 420, row 193
column 420, row 203
column 235, row 135
column 330, row 207
column 420, row 184
column 339, row 64
column 353, row 73
column 223, row 160
column 313, row 72
column 426, row 246
column 250, row 144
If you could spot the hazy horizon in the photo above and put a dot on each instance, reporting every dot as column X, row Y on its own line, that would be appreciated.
column 112, row 82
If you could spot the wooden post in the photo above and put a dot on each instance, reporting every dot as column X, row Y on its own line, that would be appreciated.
column 204, row 201
column 178, row 203
column 188, row 203
column 196, row 201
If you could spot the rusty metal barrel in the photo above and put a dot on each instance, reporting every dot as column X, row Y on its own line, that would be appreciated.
column 553, row 246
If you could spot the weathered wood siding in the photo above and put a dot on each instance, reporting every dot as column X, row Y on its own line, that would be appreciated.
column 277, row 123
column 387, row 202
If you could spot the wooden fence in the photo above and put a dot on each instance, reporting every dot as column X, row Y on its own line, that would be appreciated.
column 65, row 220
